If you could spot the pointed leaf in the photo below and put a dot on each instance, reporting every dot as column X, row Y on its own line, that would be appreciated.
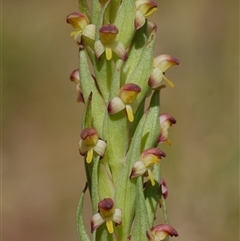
column 95, row 185
column 143, row 69
column 125, row 22
column 150, row 134
column 141, row 224
column 105, row 182
column 88, row 85
column 137, row 116
column 83, row 8
column 87, row 115
column 82, row 233
column 137, row 47
column 103, row 71
column 96, row 9
column 152, row 126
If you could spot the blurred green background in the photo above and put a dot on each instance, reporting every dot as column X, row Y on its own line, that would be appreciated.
column 42, row 172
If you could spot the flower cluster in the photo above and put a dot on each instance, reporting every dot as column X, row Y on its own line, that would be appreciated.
column 122, row 131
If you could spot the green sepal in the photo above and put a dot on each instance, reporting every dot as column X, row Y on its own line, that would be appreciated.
column 83, row 8
column 82, row 233
column 144, row 67
column 88, row 85
column 152, row 194
column 126, row 188
column 125, row 22
column 152, row 125
column 141, row 224
column 136, row 49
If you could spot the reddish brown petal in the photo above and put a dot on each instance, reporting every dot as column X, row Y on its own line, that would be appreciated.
column 88, row 132
column 154, row 151
column 131, row 87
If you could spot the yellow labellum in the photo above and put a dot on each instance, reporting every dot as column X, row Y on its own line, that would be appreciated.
column 150, row 12
column 89, row 155
column 74, row 33
column 170, row 83
column 151, row 177
column 169, row 142
column 129, row 113
column 108, row 53
column 109, row 226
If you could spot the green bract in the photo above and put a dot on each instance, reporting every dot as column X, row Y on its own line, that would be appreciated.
column 122, row 129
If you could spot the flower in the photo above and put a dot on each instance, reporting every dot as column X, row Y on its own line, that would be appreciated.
column 145, row 8
column 163, row 191
column 74, row 77
column 160, row 232
column 127, row 95
column 81, row 26
column 108, row 43
column 163, row 188
column 106, row 213
column 160, row 64
column 90, row 142
column 148, row 158
column 166, row 121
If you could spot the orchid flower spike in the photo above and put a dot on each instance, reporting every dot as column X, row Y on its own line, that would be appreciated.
column 91, row 142
column 160, row 232
column 145, row 8
column 148, row 158
column 82, row 28
column 127, row 95
column 160, row 64
column 106, row 213
column 109, row 44
column 120, row 81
